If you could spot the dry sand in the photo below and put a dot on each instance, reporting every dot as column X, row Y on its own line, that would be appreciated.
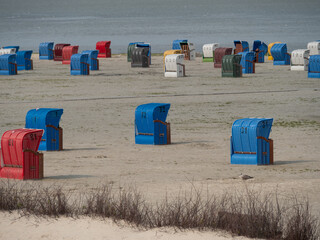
column 98, row 123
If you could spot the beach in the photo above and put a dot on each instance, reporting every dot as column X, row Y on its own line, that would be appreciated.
column 99, row 147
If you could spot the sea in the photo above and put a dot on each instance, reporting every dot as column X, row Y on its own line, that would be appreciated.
column 27, row 23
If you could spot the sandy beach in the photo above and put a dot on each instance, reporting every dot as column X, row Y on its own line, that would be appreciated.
column 98, row 124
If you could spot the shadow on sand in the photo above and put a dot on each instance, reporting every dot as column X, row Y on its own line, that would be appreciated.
column 68, row 176
column 292, row 162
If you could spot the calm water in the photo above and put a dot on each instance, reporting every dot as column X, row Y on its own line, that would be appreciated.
column 82, row 22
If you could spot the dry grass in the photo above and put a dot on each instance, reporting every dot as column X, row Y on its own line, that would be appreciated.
column 249, row 213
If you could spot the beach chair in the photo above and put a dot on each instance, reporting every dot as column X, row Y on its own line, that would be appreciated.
column 247, row 62
column 67, row 52
column 174, row 66
column 314, row 48
column 219, row 53
column 24, row 61
column 15, row 47
column 300, row 60
column 260, row 49
column 46, row 51
column 314, row 66
column 131, row 47
column 48, row 120
column 92, row 59
column 250, row 143
column 169, row 52
column 176, row 44
column 208, row 52
column 280, row 54
column 140, row 57
column 58, row 51
column 21, row 159
column 188, row 49
column 104, row 49
column 7, row 51
column 8, row 64
column 231, row 66
column 269, row 50
column 240, row 46
column 148, row 47
column 79, row 64
column 150, row 124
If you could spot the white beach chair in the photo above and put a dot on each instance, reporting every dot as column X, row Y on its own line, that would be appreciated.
column 174, row 66
column 300, row 60
column 7, row 51
column 314, row 48
column 208, row 51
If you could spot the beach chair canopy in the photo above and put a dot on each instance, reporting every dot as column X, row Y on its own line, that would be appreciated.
column 172, row 62
column 92, row 59
column 7, row 51
column 280, row 54
column 131, row 46
column 47, row 119
column 67, row 52
column 58, row 50
column 150, row 126
column 247, row 62
column 231, row 66
column 314, row 47
column 249, row 141
column 300, row 57
column 8, row 64
column 19, row 152
column 169, row 52
column 269, row 50
column 79, row 64
column 240, row 46
column 218, row 55
column 314, row 66
column 15, row 47
column 140, row 57
column 23, row 60
column 176, row 44
column 104, row 49
column 208, row 49
column 46, row 50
